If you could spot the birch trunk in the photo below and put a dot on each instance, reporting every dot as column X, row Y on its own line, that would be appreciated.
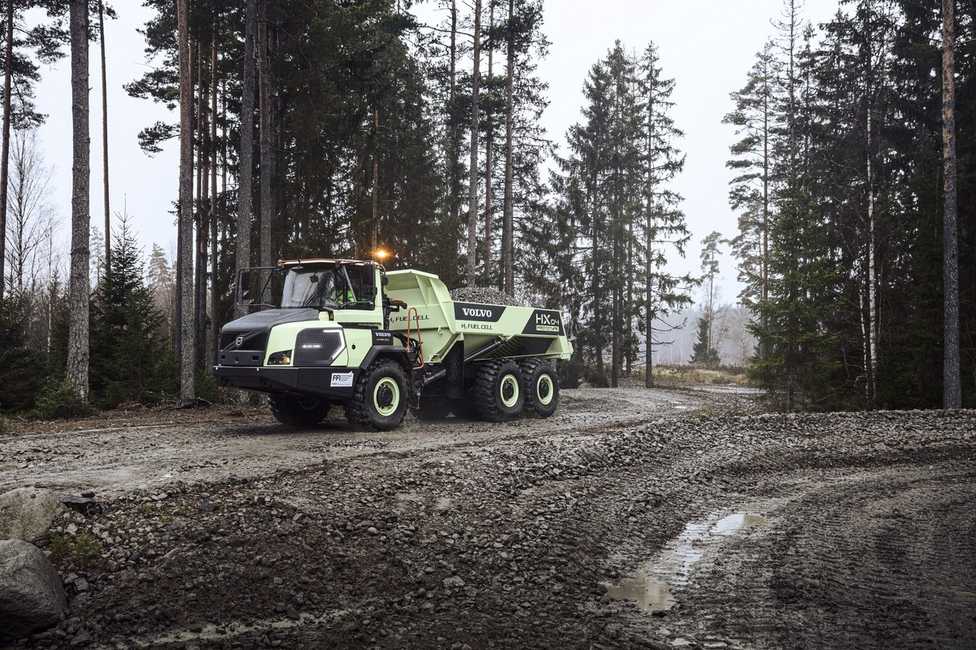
column 952, row 390
column 473, row 171
column 78, row 342
column 185, row 243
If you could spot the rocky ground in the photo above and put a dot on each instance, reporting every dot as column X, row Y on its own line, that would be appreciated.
column 631, row 519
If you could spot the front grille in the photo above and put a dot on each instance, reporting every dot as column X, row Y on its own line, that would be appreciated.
column 256, row 341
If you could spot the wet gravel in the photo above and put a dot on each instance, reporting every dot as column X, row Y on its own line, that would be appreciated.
column 508, row 540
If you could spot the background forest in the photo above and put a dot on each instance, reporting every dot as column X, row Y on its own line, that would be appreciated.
column 328, row 127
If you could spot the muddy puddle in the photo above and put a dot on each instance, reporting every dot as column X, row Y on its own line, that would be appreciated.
column 651, row 587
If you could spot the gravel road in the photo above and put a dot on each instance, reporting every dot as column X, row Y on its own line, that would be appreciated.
column 633, row 519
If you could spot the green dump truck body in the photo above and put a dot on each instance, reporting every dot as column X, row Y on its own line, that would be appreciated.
column 376, row 342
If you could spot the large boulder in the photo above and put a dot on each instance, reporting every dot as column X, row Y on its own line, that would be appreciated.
column 27, row 513
column 31, row 593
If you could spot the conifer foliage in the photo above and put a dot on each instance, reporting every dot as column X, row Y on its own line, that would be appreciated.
column 838, row 184
column 128, row 345
column 613, row 218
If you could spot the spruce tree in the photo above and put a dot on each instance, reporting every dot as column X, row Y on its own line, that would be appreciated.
column 126, row 339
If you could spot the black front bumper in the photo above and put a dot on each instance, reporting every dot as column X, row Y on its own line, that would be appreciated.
column 331, row 382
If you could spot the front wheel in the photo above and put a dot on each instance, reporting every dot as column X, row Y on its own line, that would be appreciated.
column 541, row 385
column 380, row 397
column 299, row 411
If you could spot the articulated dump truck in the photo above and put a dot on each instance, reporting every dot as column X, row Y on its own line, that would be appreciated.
column 334, row 332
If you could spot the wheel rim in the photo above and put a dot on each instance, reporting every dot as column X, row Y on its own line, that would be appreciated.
column 386, row 396
column 508, row 390
column 545, row 390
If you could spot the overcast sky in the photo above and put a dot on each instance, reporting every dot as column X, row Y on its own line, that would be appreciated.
column 706, row 45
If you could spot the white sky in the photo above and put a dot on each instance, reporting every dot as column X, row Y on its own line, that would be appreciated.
column 706, row 45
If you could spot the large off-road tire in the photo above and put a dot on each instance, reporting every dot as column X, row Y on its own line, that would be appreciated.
column 497, row 391
column 541, row 385
column 299, row 412
column 380, row 398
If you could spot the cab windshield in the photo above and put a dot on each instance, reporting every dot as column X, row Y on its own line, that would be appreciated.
column 329, row 287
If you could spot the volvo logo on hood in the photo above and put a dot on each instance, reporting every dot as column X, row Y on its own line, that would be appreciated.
column 239, row 341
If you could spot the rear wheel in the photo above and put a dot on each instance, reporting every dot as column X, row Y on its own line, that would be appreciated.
column 305, row 411
column 541, row 385
column 380, row 397
column 497, row 391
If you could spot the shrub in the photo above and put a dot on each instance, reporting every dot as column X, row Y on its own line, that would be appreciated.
column 58, row 400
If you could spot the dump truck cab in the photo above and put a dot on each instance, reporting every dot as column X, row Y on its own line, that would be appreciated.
column 331, row 332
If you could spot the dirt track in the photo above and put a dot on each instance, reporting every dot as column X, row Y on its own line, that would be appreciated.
column 627, row 521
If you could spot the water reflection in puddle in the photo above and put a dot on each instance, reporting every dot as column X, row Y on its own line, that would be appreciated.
column 651, row 585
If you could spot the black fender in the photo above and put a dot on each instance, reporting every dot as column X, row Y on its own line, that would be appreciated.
column 398, row 354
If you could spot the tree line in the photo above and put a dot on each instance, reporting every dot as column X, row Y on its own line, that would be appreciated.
column 329, row 128
column 856, row 245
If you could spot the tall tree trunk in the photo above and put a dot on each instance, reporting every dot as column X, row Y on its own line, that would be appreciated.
column 375, row 190
column 508, row 273
column 105, row 193
column 185, row 236
column 213, row 331
column 952, row 390
column 203, row 209
column 78, row 341
column 454, row 146
column 489, row 154
column 264, row 89
column 473, row 171
column 8, row 55
column 764, row 291
column 245, row 190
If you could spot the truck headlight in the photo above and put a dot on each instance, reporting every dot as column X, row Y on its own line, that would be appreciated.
column 280, row 358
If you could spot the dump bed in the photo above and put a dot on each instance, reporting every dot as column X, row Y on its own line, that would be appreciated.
column 496, row 330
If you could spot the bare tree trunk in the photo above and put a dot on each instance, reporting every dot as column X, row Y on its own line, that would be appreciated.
column 78, row 343
column 489, row 155
column 649, row 304
column 375, row 192
column 264, row 89
column 473, row 171
column 8, row 55
column 952, row 390
column 454, row 154
column 872, row 330
column 508, row 273
column 185, row 243
column 212, row 336
column 245, row 190
column 105, row 198
column 203, row 210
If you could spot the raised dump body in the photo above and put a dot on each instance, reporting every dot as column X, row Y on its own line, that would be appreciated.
column 486, row 331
